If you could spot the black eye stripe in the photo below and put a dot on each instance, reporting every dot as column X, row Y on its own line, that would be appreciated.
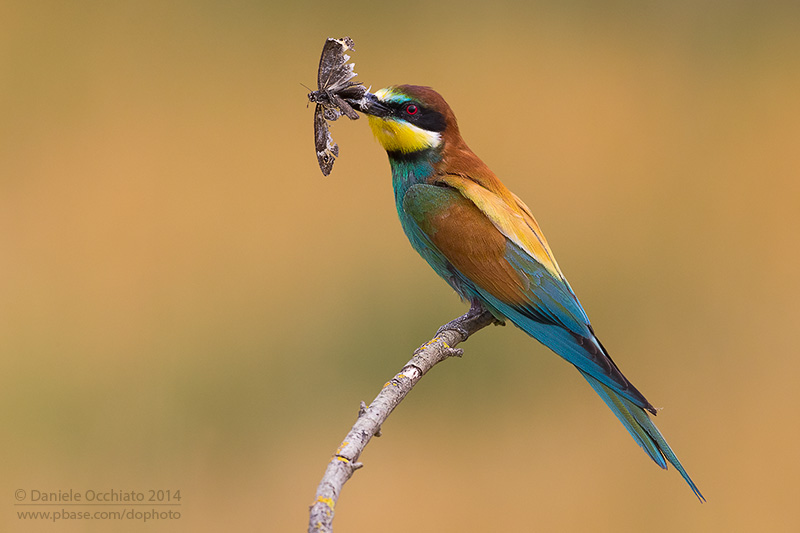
column 425, row 118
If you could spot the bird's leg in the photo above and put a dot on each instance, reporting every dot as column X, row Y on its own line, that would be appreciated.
column 476, row 309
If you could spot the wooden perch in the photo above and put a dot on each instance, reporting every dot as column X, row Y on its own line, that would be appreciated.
column 345, row 461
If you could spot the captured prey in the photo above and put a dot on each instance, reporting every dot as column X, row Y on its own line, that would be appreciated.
column 334, row 90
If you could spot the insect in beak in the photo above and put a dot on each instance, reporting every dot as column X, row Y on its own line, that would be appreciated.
column 333, row 98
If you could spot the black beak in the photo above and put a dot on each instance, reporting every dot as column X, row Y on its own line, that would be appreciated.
column 370, row 105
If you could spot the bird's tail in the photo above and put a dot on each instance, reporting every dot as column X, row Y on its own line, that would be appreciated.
column 641, row 428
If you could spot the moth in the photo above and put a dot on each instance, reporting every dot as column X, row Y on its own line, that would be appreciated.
column 333, row 89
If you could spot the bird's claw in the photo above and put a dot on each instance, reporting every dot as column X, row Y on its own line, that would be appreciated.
column 454, row 325
column 476, row 309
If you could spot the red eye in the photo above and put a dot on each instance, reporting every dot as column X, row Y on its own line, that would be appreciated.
column 411, row 109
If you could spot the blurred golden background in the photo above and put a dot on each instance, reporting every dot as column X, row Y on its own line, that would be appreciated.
column 188, row 304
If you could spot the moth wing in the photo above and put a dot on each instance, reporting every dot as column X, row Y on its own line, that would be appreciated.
column 346, row 109
column 330, row 112
column 327, row 61
column 327, row 150
column 333, row 68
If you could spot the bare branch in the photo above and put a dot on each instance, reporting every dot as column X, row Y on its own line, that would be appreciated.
column 345, row 461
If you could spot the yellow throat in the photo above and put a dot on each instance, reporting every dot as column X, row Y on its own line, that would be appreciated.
column 397, row 135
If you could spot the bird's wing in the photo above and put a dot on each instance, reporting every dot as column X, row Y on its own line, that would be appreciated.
column 527, row 251
column 515, row 221
column 498, row 250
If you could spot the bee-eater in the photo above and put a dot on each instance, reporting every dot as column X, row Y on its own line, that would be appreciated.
column 483, row 240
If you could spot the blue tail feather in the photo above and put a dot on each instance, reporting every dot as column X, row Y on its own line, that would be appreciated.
column 642, row 429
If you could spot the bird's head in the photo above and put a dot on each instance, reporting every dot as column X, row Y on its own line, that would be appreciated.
column 409, row 118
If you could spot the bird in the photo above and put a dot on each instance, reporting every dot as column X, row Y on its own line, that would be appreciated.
column 483, row 240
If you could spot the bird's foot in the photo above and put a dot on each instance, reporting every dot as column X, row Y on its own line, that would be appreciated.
column 458, row 324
